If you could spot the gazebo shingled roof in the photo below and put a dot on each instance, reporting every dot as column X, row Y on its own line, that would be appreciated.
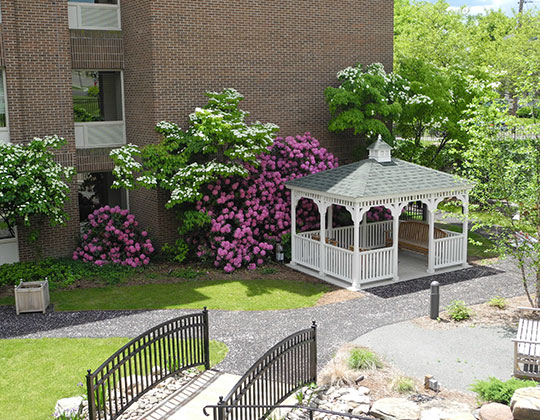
column 370, row 178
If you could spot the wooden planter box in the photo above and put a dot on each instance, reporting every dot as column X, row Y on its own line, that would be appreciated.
column 32, row 296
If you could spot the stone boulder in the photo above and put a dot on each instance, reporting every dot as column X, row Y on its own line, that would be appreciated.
column 395, row 409
column 68, row 407
column 525, row 404
column 495, row 411
column 444, row 410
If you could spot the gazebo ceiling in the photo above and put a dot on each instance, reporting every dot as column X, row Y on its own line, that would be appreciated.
column 370, row 178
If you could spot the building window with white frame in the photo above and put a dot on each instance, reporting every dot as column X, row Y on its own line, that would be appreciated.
column 98, row 108
column 4, row 123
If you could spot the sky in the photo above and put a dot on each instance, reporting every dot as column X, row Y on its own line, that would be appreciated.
column 479, row 6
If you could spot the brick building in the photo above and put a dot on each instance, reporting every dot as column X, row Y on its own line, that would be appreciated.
column 103, row 72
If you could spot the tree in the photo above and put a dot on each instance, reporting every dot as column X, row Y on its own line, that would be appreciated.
column 367, row 101
column 507, row 172
column 435, row 103
column 32, row 183
column 218, row 143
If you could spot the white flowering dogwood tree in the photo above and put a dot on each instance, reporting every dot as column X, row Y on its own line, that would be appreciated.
column 217, row 143
column 32, row 183
column 367, row 101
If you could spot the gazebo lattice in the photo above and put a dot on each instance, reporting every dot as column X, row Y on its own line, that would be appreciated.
column 366, row 254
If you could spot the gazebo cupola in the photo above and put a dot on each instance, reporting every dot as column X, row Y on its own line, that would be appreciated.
column 380, row 151
column 375, row 249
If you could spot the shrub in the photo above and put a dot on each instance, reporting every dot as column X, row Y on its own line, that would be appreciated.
column 404, row 385
column 498, row 302
column 360, row 359
column 61, row 272
column 112, row 235
column 495, row 390
column 458, row 311
column 249, row 215
column 528, row 112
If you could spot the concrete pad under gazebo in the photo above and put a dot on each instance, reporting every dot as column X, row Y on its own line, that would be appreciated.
column 368, row 253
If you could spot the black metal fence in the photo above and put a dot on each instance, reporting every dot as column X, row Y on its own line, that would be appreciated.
column 285, row 368
column 145, row 361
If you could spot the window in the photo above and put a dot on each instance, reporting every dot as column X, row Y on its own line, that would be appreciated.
column 5, row 231
column 97, row 96
column 95, row 191
column 4, row 128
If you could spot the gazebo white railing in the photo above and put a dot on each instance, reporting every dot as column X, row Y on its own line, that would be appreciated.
column 367, row 253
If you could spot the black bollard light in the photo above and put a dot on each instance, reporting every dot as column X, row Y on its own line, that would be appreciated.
column 434, row 302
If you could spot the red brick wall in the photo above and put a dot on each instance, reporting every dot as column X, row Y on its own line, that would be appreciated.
column 280, row 54
column 38, row 74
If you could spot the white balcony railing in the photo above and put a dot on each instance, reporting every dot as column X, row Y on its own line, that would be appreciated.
column 94, row 16
column 93, row 135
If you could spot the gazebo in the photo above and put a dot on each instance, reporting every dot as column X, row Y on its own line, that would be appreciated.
column 369, row 253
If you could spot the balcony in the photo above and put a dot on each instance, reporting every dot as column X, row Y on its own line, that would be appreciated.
column 91, row 135
column 94, row 16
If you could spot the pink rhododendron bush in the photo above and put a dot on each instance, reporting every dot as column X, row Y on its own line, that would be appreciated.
column 112, row 235
column 249, row 215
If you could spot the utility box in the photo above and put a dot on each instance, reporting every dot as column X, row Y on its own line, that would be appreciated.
column 32, row 296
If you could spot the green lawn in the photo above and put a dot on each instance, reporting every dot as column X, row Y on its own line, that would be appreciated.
column 241, row 295
column 35, row 373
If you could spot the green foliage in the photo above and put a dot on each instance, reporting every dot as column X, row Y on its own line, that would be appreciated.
column 361, row 359
column 218, row 143
column 82, row 115
column 507, row 173
column 528, row 112
column 366, row 101
column 495, row 390
column 193, row 222
column 404, row 385
column 286, row 243
column 268, row 270
column 458, row 310
column 62, row 272
column 434, row 104
column 32, row 183
column 93, row 91
column 498, row 302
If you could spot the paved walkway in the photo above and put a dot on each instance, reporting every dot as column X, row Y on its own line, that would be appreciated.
column 189, row 401
column 457, row 356
column 251, row 334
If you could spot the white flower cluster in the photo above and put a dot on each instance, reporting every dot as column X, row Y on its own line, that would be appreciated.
column 32, row 182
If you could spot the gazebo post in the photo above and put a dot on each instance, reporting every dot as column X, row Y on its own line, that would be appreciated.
column 431, row 239
column 330, row 221
column 465, row 201
column 396, row 212
column 364, row 231
column 293, row 227
column 323, row 205
column 356, row 284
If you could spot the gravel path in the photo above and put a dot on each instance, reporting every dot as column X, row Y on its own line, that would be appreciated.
column 250, row 334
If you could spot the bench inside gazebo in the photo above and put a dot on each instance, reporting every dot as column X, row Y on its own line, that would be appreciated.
column 369, row 253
